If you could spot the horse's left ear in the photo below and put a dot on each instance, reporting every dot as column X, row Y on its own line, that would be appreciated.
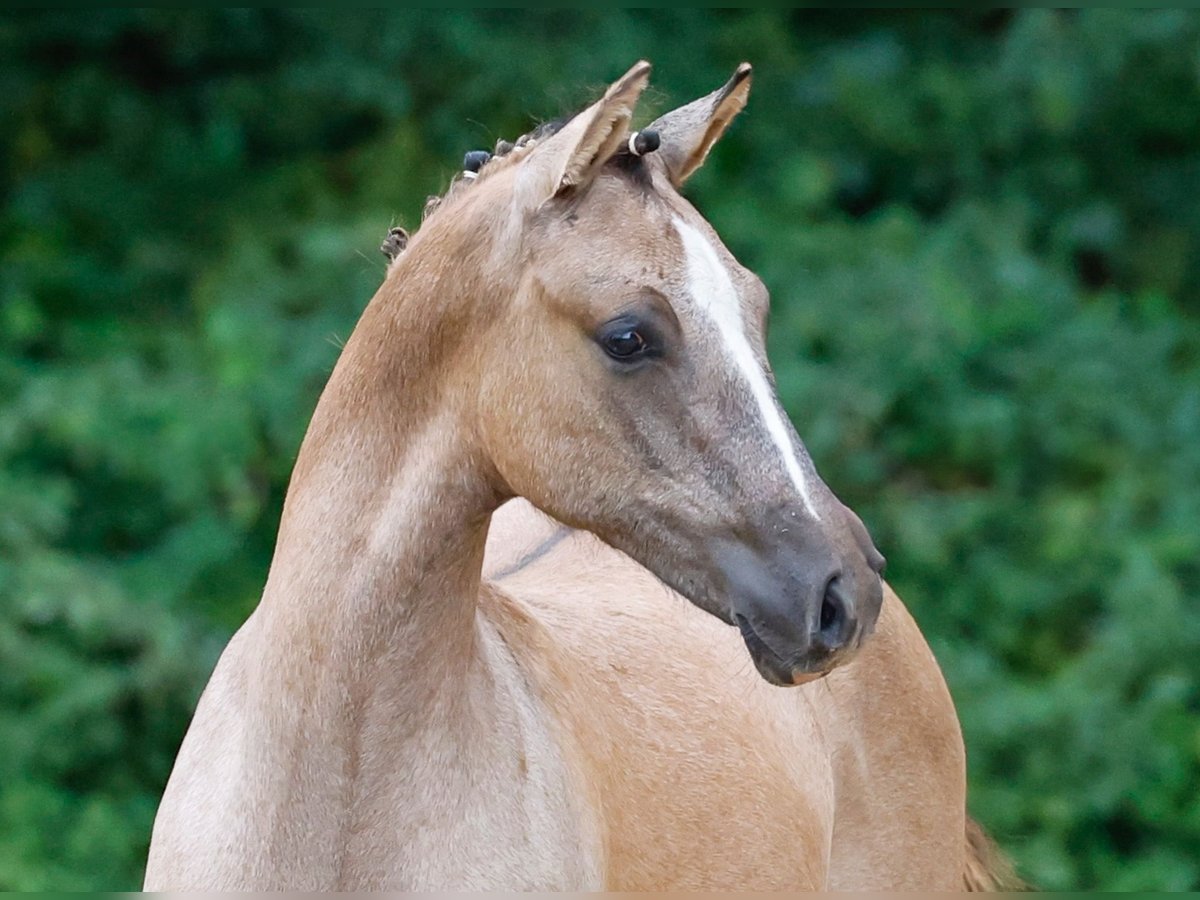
column 571, row 157
column 690, row 131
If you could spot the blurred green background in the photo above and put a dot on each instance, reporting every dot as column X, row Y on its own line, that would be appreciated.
column 982, row 235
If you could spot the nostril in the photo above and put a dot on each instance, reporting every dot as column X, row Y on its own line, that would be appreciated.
column 834, row 626
column 829, row 614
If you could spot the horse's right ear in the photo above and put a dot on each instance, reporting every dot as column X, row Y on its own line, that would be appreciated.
column 571, row 158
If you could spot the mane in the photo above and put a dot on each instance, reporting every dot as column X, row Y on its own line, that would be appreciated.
column 508, row 154
column 505, row 155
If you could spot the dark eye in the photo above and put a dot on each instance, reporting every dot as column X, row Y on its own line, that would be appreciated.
column 624, row 343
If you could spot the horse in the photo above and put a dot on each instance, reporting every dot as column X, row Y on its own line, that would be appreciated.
column 673, row 665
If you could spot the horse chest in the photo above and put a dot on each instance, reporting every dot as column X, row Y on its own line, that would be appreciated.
column 476, row 797
column 489, row 802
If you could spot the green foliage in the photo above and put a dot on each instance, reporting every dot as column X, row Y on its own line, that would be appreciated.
column 982, row 234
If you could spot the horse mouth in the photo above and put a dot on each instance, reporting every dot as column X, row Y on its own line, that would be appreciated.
column 771, row 666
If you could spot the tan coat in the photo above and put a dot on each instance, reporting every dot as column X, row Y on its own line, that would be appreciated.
column 442, row 691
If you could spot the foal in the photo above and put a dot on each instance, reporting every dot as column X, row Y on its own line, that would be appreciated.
column 567, row 328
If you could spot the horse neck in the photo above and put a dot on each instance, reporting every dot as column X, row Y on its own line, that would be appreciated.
column 377, row 567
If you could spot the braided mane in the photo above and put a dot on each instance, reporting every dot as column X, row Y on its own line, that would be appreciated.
column 505, row 155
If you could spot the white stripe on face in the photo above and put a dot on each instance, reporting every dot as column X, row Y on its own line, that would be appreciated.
column 716, row 297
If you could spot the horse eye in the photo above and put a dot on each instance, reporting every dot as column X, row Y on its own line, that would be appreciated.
column 624, row 344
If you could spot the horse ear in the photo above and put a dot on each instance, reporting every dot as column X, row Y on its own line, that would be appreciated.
column 573, row 156
column 690, row 131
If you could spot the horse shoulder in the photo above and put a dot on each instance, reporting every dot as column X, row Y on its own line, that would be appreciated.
column 671, row 733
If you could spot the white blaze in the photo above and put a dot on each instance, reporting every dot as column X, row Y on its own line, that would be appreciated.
column 716, row 297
